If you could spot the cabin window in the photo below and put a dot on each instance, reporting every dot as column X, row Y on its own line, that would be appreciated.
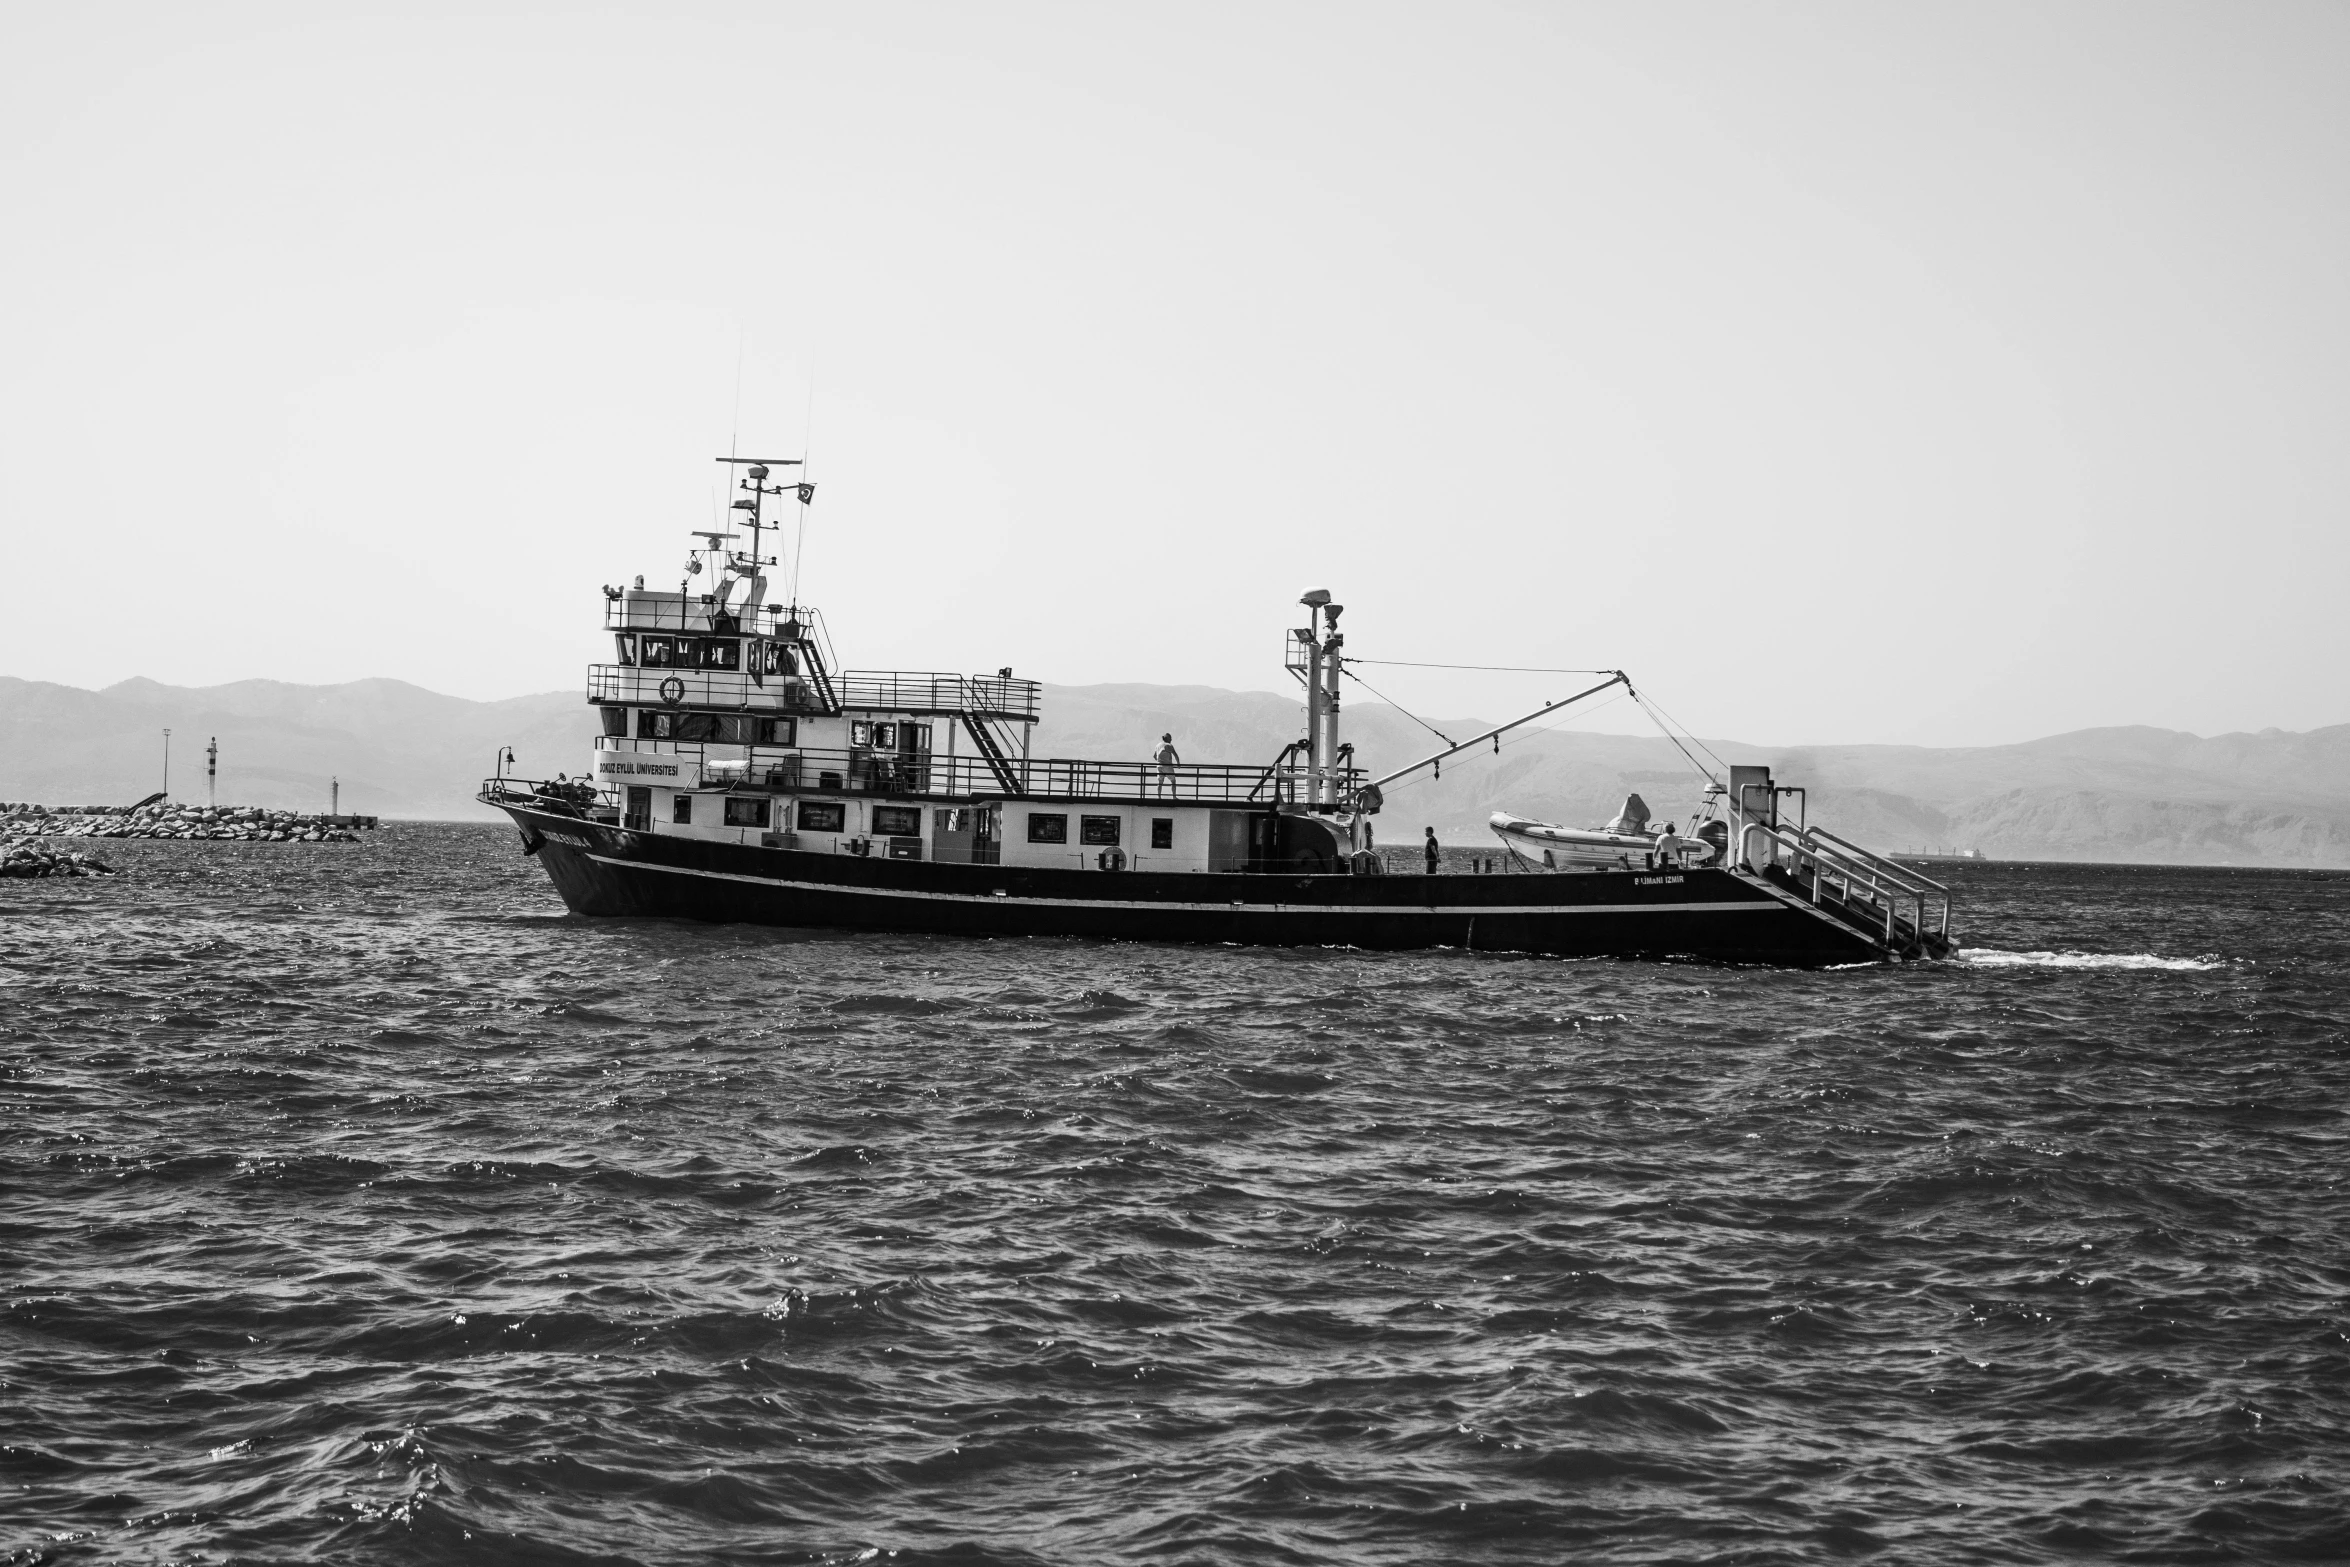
column 914, row 739
column 653, row 723
column 885, row 737
column 737, row 729
column 779, row 731
column 616, row 722
column 860, row 732
column 627, row 645
column 897, row 821
column 745, row 812
column 823, row 816
column 1047, row 828
column 1162, row 832
column 681, row 810
column 657, row 652
column 948, row 820
column 697, row 726
column 1098, row 830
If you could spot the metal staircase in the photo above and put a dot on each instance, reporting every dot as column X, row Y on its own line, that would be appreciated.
column 1899, row 911
column 999, row 759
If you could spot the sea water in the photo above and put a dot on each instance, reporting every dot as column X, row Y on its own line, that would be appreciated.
column 359, row 1204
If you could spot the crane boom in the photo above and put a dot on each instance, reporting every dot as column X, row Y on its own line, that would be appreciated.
column 1619, row 678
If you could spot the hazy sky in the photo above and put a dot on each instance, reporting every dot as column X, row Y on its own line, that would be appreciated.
column 1948, row 374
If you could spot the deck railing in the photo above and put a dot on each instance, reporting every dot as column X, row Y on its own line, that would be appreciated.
column 930, row 691
column 814, row 770
column 725, row 688
column 693, row 617
column 888, row 691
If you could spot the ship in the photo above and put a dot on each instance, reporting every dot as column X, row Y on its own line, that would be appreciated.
column 741, row 773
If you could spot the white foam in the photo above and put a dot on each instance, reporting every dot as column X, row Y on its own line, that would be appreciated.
column 1992, row 957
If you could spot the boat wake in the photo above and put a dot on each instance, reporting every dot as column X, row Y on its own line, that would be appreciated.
column 1993, row 957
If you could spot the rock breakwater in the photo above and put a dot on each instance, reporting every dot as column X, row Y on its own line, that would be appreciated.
column 36, row 859
column 242, row 824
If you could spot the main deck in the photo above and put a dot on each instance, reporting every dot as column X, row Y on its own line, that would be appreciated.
column 1723, row 915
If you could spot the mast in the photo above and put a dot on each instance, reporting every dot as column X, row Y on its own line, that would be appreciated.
column 1317, row 643
column 756, row 490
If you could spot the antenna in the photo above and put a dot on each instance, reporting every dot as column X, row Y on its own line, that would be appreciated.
column 799, row 543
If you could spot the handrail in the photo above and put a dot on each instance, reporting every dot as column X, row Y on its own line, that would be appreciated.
column 1889, row 885
column 1893, row 866
column 733, row 689
column 920, row 691
column 826, row 770
column 665, row 613
column 939, row 691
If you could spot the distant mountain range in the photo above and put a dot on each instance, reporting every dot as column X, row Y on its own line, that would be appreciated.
column 2131, row 794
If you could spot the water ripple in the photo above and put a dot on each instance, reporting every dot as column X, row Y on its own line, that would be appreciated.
column 363, row 1206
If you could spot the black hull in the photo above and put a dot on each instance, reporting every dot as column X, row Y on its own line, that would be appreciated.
column 1709, row 914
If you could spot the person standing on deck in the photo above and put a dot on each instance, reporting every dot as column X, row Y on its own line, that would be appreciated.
column 1167, row 757
column 1435, row 852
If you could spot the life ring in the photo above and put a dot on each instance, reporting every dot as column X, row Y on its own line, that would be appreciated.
column 1111, row 859
column 673, row 691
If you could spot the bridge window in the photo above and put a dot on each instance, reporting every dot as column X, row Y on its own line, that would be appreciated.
column 1044, row 827
column 616, row 721
column 1162, row 832
column 657, row 652
column 681, row 810
column 823, row 816
column 627, row 646
column 897, row 821
column 1099, row 830
column 745, row 812
column 721, row 653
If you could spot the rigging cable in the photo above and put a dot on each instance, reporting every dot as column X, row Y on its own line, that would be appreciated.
column 1553, row 725
column 1564, row 718
column 1398, row 706
column 1506, row 669
column 1657, row 717
column 1686, row 730
column 1677, row 745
